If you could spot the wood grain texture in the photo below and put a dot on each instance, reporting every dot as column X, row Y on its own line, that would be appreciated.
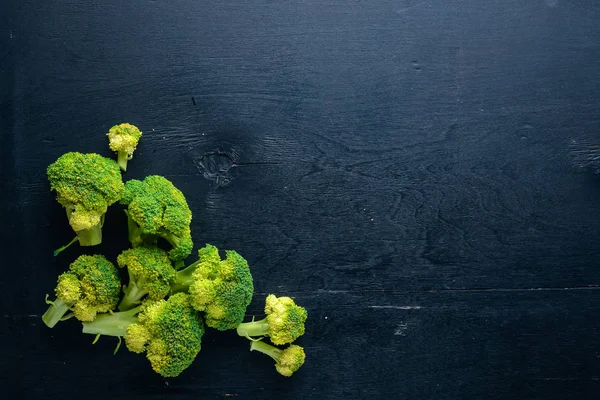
column 421, row 175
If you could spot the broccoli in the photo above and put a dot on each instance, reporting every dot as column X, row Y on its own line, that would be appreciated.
column 221, row 288
column 85, row 184
column 169, row 331
column 284, row 322
column 123, row 139
column 287, row 361
column 90, row 286
column 150, row 273
column 156, row 209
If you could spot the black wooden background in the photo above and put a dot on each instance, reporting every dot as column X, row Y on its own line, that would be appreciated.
column 420, row 174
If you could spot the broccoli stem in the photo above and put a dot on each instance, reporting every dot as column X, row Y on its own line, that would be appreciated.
column 90, row 237
column 60, row 249
column 122, row 158
column 134, row 231
column 69, row 208
column 112, row 324
column 254, row 328
column 183, row 278
column 173, row 240
column 55, row 312
column 267, row 349
column 133, row 296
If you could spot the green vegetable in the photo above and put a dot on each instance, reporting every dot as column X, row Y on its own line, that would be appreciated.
column 287, row 361
column 150, row 273
column 85, row 184
column 162, row 312
column 123, row 139
column 284, row 322
column 90, row 286
column 221, row 288
column 157, row 209
column 168, row 331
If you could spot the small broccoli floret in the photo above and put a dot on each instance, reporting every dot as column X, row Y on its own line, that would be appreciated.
column 157, row 209
column 138, row 337
column 85, row 184
column 284, row 322
column 287, row 361
column 150, row 273
column 169, row 331
column 90, row 286
column 221, row 288
column 123, row 139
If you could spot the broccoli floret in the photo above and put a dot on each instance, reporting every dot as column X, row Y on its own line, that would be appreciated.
column 284, row 322
column 85, row 184
column 123, row 139
column 221, row 288
column 287, row 361
column 150, row 273
column 169, row 331
column 90, row 286
column 156, row 209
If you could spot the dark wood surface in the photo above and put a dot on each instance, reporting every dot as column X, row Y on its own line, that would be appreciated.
column 421, row 175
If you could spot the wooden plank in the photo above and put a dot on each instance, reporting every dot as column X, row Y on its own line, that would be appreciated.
column 422, row 175
column 447, row 344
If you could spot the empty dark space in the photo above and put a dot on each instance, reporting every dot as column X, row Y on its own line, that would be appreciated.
column 422, row 176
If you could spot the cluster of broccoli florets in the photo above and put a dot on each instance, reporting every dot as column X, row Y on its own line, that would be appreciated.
column 157, row 209
column 283, row 324
column 165, row 306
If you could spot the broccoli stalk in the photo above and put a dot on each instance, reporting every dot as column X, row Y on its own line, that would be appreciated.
column 254, row 328
column 90, row 237
column 184, row 278
column 86, row 237
column 176, row 241
column 132, row 297
column 60, row 249
column 265, row 348
column 55, row 312
column 134, row 231
column 112, row 324
column 122, row 158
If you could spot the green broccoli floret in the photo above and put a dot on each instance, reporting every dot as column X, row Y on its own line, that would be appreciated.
column 90, row 286
column 284, row 322
column 169, row 331
column 156, row 209
column 123, row 139
column 85, row 184
column 287, row 361
column 221, row 288
column 150, row 273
